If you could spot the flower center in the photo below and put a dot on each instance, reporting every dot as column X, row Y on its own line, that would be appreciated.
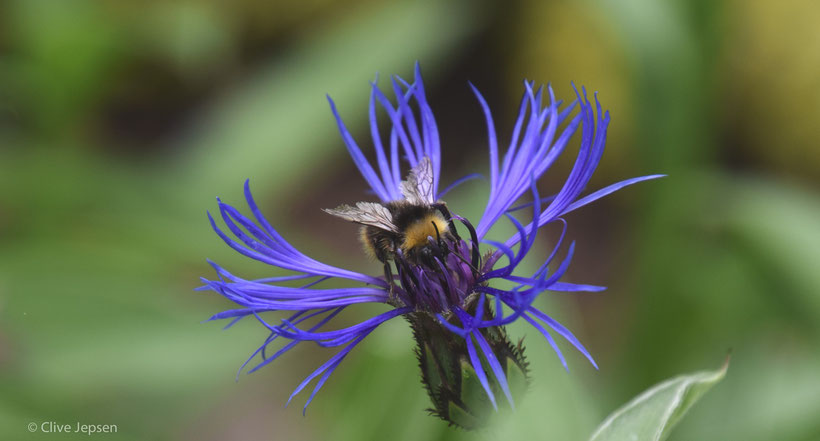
column 440, row 270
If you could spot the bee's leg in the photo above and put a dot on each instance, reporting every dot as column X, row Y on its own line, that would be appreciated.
column 388, row 273
column 442, row 208
column 388, row 277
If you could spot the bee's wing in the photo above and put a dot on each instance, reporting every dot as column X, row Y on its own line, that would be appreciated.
column 418, row 188
column 366, row 213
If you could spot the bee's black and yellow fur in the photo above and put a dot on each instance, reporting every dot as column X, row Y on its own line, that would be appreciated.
column 415, row 224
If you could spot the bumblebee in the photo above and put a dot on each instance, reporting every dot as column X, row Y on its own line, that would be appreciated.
column 402, row 229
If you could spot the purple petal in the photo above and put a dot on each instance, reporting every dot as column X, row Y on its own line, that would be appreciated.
column 564, row 332
column 358, row 157
column 494, row 365
column 606, row 191
column 572, row 287
column 458, row 182
column 549, row 338
column 479, row 370
column 491, row 136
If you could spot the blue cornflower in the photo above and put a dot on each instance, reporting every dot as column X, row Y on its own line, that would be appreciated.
column 439, row 280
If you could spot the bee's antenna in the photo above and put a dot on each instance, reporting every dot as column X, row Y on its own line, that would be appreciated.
column 476, row 256
column 438, row 235
column 442, row 208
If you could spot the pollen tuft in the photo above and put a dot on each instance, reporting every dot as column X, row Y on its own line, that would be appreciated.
column 417, row 233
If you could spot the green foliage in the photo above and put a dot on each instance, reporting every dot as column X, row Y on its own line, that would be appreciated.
column 653, row 414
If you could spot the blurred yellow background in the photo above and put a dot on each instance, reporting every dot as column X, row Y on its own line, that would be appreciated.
column 120, row 121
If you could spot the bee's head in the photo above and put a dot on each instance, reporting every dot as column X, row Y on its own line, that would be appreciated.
column 427, row 230
column 436, row 246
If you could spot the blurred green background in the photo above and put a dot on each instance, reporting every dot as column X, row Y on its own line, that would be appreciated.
column 120, row 121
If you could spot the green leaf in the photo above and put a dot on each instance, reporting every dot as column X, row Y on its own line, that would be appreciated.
column 653, row 414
